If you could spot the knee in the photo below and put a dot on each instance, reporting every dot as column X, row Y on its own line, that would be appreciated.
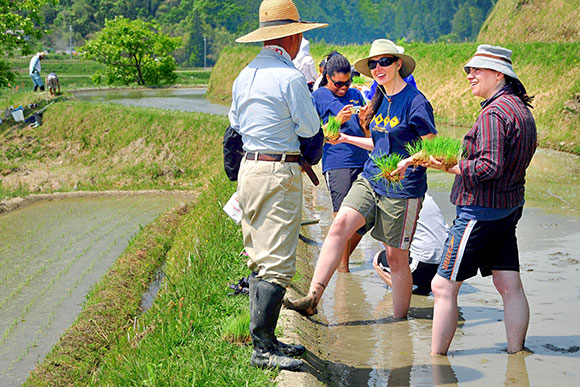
column 442, row 288
column 508, row 286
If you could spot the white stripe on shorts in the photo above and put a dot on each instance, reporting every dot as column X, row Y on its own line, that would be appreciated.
column 411, row 216
column 461, row 248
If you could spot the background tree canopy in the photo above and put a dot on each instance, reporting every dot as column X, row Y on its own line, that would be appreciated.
column 133, row 51
column 221, row 21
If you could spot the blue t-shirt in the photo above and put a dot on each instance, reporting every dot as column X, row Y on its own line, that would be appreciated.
column 411, row 116
column 341, row 155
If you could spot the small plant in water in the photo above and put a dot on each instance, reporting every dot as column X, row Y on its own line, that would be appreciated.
column 237, row 329
column 387, row 164
column 446, row 150
column 332, row 130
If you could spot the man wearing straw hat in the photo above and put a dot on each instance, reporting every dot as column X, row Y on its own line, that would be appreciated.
column 273, row 111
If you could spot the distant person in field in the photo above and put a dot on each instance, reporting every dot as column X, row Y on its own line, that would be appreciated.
column 489, row 194
column 53, row 84
column 305, row 64
column 425, row 251
column 34, row 71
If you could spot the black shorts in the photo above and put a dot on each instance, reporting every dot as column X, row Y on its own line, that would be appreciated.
column 339, row 182
column 484, row 245
column 422, row 272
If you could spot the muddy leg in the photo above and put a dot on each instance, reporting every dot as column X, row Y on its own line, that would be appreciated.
column 515, row 307
column 344, row 225
column 444, row 314
column 402, row 280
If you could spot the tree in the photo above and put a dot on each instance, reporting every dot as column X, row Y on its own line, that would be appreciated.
column 19, row 24
column 133, row 51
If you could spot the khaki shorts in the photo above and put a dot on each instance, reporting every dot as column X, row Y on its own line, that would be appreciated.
column 392, row 220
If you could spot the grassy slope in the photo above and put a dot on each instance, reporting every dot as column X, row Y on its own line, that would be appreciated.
column 532, row 21
column 439, row 75
column 101, row 146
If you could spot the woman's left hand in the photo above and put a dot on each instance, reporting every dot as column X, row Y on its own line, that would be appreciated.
column 341, row 139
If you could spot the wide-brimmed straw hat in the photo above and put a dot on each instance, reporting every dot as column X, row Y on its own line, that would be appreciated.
column 278, row 19
column 494, row 58
column 386, row 47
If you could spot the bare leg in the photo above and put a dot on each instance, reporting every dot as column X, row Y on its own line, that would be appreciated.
column 444, row 314
column 385, row 276
column 346, row 222
column 352, row 244
column 402, row 280
column 515, row 307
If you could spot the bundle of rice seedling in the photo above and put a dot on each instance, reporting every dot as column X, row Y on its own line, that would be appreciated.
column 446, row 150
column 332, row 130
column 387, row 164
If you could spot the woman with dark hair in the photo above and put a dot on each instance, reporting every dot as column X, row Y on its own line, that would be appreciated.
column 489, row 194
column 341, row 163
column 397, row 115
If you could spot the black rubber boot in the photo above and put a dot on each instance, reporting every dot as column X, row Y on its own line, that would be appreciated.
column 265, row 303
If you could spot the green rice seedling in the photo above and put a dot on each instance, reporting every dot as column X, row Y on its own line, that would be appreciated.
column 332, row 129
column 446, row 150
column 237, row 329
column 387, row 164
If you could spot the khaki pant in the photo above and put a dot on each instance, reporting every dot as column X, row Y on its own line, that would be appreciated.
column 270, row 196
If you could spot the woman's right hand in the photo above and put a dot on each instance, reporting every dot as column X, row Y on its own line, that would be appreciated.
column 344, row 114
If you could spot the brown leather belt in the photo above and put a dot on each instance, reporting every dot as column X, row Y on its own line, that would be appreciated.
column 286, row 158
column 273, row 157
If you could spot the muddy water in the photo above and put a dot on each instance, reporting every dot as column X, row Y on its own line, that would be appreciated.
column 358, row 334
column 51, row 253
column 186, row 99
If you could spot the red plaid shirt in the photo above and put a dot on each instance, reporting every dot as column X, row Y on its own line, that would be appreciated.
column 499, row 148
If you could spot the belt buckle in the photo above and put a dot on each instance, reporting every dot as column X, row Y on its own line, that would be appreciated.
column 283, row 158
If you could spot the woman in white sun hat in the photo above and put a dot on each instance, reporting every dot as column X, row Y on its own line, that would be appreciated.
column 397, row 114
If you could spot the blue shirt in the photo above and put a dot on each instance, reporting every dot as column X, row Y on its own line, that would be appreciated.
column 341, row 155
column 369, row 94
column 411, row 117
column 271, row 104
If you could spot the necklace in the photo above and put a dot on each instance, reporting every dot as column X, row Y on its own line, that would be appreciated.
column 390, row 99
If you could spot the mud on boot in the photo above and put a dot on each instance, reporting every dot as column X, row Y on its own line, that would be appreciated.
column 274, row 359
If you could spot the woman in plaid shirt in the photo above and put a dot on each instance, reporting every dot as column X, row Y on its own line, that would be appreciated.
column 489, row 194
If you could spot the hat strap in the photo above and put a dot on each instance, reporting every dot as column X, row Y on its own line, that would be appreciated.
column 280, row 22
column 495, row 57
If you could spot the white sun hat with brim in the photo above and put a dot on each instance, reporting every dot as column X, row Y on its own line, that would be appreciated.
column 278, row 19
column 386, row 47
column 494, row 58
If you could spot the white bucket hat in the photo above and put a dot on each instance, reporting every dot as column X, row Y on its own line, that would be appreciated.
column 386, row 47
column 278, row 19
column 494, row 58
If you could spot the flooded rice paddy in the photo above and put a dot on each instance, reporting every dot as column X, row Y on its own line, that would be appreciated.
column 365, row 346
column 51, row 254
column 186, row 99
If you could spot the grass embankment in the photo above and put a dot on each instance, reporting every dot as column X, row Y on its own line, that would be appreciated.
column 532, row 20
column 548, row 70
column 89, row 147
column 76, row 73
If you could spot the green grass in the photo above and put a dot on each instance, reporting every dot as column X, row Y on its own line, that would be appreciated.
column 104, row 146
column 186, row 339
column 332, row 130
column 446, row 150
column 386, row 165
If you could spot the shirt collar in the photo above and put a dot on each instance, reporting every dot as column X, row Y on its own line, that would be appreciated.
column 277, row 51
column 504, row 90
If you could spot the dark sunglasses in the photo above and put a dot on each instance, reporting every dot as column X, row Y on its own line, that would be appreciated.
column 383, row 62
column 339, row 84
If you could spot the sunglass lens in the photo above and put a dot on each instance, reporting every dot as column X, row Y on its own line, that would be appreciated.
column 384, row 62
